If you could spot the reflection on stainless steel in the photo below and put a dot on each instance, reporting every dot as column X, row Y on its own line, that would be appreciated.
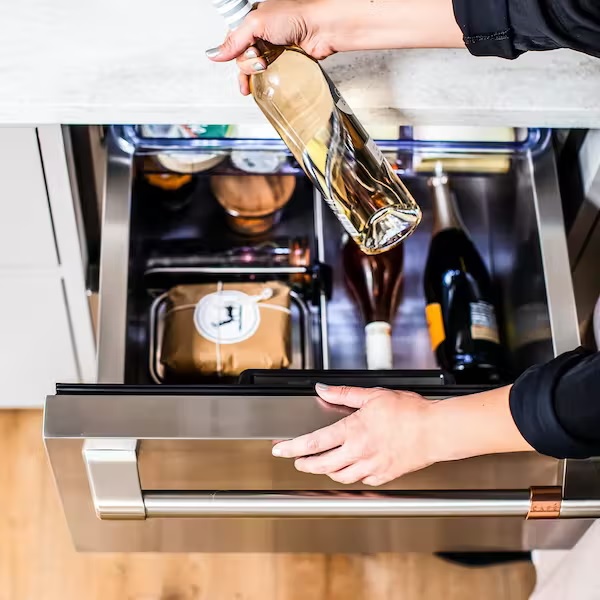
column 553, row 242
column 302, row 346
column 584, row 236
column 318, row 206
column 114, row 261
column 227, row 270
column 339, row 504
column 114, row 481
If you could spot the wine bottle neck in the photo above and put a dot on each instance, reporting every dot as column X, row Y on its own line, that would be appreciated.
column 445, row 214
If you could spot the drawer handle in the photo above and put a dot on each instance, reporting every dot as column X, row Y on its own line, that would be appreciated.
column 451, row 503
column 117, row 494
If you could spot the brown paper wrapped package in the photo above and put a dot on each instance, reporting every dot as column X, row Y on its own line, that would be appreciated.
column 264, row 335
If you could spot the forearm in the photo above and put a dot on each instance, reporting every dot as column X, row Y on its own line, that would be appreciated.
column 388, row 24
column 472, row 425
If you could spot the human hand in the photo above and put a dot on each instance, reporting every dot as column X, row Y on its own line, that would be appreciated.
column 323, row 27
column 385, row 438
column 394, row 433
column 302, row 23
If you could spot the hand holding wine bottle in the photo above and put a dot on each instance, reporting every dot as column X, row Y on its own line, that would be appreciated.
column 375, row 283
column 325, row 137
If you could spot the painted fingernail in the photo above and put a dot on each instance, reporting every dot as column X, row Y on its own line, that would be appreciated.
column 322, row 387
column 276, row 451
column 258, row 66
column 251, row 53
column 213, row 52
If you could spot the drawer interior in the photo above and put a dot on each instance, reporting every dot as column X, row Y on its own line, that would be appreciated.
column 498, row 210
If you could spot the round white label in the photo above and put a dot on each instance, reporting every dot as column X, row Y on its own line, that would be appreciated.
column 227, row 317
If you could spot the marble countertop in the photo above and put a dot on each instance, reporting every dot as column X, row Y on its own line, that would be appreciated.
column 134, row 61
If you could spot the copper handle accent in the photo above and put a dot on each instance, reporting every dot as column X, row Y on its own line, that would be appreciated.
column 544, row 502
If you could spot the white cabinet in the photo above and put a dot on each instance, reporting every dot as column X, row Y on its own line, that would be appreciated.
column 36, row 348
column 46, row 332
column 26, row 234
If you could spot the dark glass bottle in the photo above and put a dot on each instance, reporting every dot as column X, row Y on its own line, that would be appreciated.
column 375, row 283
column 461, row 315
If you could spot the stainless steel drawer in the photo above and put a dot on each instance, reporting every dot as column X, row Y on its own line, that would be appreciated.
column 147, row 467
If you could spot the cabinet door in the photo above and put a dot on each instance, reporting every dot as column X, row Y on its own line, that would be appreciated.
column 26, row 234
column 36, row 349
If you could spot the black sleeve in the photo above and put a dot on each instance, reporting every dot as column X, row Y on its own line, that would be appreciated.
column 507, row 28
column 556, row 406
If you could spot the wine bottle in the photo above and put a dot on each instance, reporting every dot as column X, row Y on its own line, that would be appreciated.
column 326, row 138
column 375, row 283
column 461, row 315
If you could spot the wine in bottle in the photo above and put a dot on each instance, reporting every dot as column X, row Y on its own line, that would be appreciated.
column 326, row 138
column 461, row 315
column 375, row 283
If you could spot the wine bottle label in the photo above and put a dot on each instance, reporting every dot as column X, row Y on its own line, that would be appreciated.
column 435, row 324
column 373, row 148
column 483, row 322
column 379, row 346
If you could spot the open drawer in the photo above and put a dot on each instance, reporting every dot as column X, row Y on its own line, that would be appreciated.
column 145, row 463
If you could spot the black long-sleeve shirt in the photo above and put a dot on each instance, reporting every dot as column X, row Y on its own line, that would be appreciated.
column 507, row 28
column 556, row 406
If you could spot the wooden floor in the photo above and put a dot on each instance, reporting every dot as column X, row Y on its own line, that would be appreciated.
column 37, row 561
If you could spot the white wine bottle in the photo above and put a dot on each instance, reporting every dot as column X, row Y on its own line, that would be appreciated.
column 326, row 138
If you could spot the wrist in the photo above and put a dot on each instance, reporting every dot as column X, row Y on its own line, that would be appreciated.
column 473, row 425
column 386, row 24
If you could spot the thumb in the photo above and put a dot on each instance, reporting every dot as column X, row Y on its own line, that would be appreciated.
column 235, row 44
column 354, row 397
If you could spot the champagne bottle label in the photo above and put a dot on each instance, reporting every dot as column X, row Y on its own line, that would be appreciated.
column 483, row 322
column 435, row 324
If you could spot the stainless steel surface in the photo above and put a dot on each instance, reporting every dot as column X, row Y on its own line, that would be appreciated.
column 339, row 505
column 584, row 235
column 113, row 476
column 301, row 335
column 205, row 443
column 114, row 261
column 555, row 257
column 318, row 207
column 228, row 270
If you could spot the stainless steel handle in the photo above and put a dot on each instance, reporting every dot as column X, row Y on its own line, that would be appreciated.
column 117, row 493
column 323, row 504
column 535, row 503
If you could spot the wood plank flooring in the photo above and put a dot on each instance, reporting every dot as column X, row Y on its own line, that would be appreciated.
column 37, row 561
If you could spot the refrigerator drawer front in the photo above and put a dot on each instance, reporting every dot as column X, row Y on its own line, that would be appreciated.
column 142, row 466
column 195, row 473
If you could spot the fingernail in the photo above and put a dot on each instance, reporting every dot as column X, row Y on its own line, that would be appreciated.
column 213, row 52
column 276, row 451
column 251, row 53
column 258, row 66
column 322, row 387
